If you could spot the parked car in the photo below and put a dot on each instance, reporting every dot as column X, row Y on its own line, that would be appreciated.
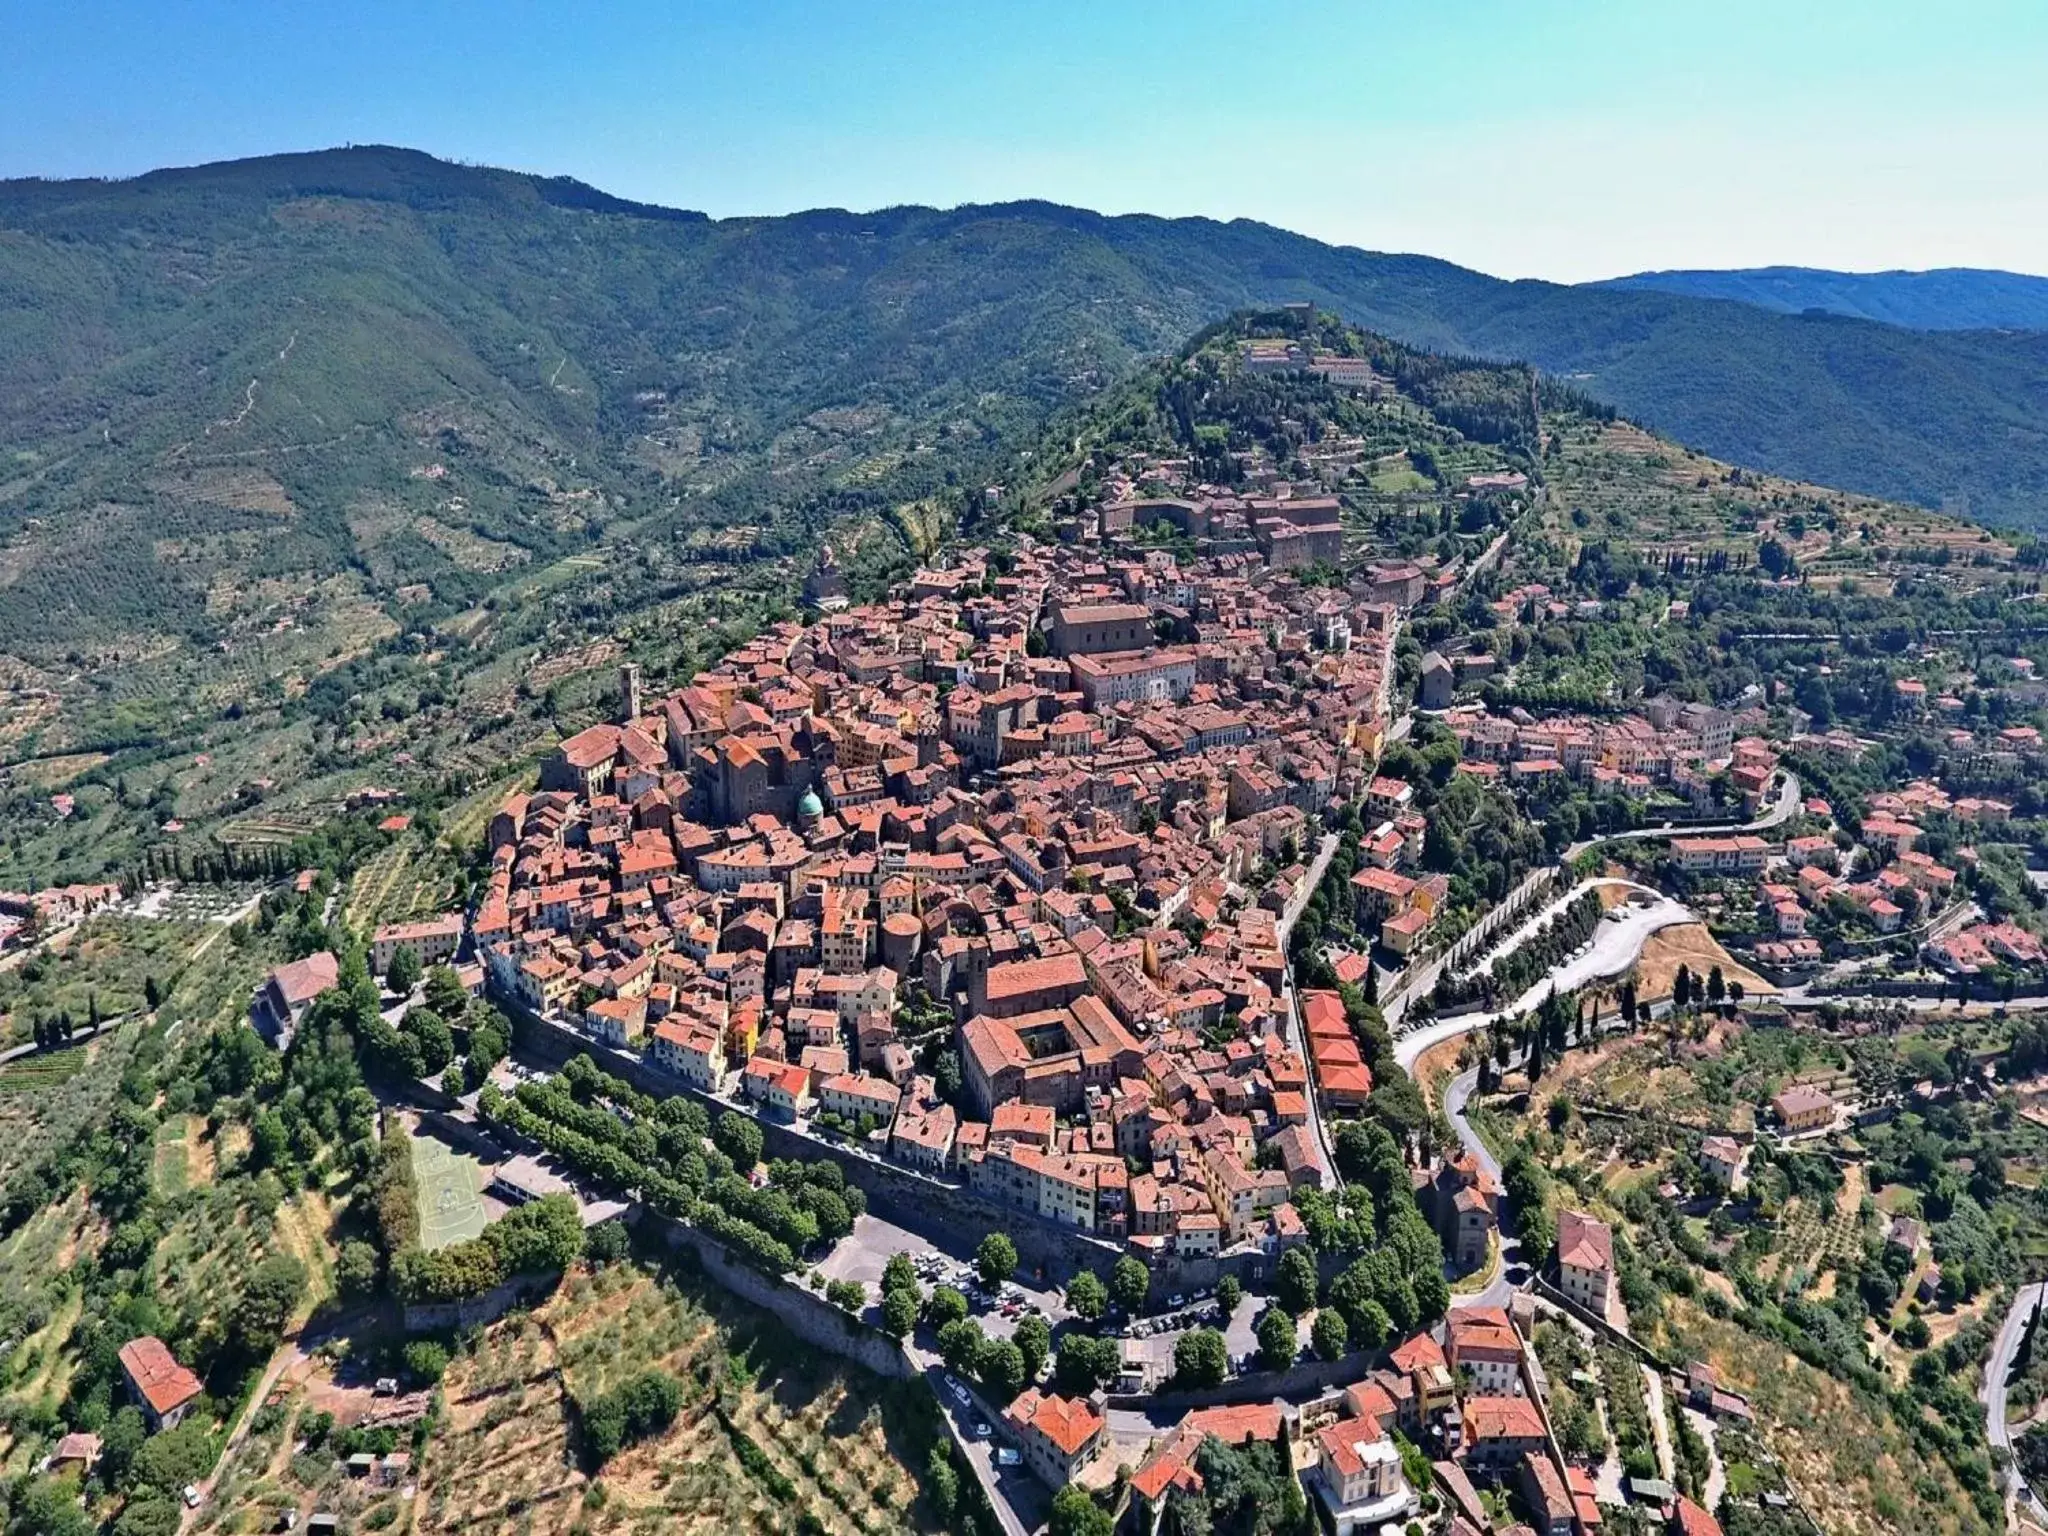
column 1007, row 1457
column 982, row 1431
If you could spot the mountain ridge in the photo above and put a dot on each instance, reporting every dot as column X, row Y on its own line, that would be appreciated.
column 1937, row 299
column 371, row 366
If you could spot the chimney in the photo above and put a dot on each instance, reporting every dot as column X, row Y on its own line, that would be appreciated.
column 629, row 692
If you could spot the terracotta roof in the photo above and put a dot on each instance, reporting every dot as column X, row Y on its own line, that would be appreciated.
column 164, row 1384
column 1583, row 1242
column 1694, row 1521
column 1020, row 978
column 303, row 980
column 1069, row 1423
column 1417, row 1354
column 1502, row 1418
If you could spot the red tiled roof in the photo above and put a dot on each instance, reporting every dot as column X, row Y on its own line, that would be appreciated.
column 1068, row 1423
column 163, row 1383
column 1583, row 1242
column 1502, row 1418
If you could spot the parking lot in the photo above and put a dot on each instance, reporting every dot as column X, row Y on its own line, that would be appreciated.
column 1155, row 1334
column 863, row 1253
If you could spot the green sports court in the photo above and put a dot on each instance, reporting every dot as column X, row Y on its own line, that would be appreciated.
column 451, row 1193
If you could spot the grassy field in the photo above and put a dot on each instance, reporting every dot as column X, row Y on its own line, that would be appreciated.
column 36, row 1372
column 835, row 1446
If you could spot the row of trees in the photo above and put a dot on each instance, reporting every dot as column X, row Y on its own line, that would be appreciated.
column 656, row 1149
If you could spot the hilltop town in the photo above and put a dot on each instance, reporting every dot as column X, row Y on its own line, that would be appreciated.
column 1304, row 966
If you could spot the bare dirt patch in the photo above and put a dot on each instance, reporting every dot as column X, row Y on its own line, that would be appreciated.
column 1694, row 947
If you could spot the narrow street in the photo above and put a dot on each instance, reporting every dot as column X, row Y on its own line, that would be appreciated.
column 1290, row 1003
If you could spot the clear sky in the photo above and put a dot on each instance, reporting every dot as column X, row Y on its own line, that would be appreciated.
column 1524, row 137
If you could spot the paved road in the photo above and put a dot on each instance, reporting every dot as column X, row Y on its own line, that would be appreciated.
column 1780, row 811
column 1612, row 950
column 1420, row 981
column 1020, row 1501
column 1513, row 1270
column 1996, row 1370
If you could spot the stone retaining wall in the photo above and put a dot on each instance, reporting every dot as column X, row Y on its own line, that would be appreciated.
column 810, row 1317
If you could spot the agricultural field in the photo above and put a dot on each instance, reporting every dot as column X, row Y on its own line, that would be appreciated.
column 41, row 1071
column 55, row 1107
column 770, row 1432
column 101, row 966
column 1613, row 480
column 1846, row 1457
column 406, row 879
column 36, row 1372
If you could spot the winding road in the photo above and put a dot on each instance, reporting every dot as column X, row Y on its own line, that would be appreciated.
column 1781, row 810
column 1611, row 951
column 1996, row 1372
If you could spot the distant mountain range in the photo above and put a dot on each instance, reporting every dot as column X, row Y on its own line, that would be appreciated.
column 1947, row 299
column 372, row 366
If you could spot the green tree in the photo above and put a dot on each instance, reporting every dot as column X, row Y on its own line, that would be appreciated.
column 739, row 1138
column 1075, row 1513
column 899, row 1274
column 357, row 1271
column 426, row 1362
column 996, row 1259
column 944, row 1305
column 1003, row 1370
column 1295, row 1283
column 1229, row 1292
column 45, row 1506
column 430, row 1033
column 1201, row 1358
column 899, row 1312
column 124, row 1436
column 1277, row 1339
column 153, row 1515
column 608, row 1242
column 269, row 1296
column 174, row 1458
column 403, row 974
column 1330, row 1335
column 1034, row 1339
column 1087, row 1296
column 446, row 994
column 1084, row 1363
column 1129, row 1282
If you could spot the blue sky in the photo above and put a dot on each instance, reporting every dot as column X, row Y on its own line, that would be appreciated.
column 1523, row 137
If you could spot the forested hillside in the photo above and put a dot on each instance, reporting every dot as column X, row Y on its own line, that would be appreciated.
column 374, row 370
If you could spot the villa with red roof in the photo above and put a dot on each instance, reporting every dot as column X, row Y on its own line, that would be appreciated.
column 161, row 1387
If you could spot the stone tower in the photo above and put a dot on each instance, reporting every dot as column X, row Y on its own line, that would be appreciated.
column 629, row 692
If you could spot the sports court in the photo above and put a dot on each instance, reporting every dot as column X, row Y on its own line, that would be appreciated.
column 451, row 1193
